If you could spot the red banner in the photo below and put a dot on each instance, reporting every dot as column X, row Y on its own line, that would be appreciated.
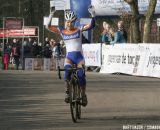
column 2, row 33
column 14, row 32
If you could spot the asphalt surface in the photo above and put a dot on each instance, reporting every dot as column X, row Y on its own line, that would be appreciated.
column 35, row 101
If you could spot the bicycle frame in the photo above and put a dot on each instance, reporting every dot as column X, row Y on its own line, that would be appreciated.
column 74, row 92
column 75, row 97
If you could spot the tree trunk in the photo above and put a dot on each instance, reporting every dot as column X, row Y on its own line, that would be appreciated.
column 135, row 20
column 149, row 20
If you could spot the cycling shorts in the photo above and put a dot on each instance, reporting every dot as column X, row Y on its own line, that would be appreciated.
column 76, row 57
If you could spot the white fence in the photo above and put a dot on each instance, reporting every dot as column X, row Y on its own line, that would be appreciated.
column 45, row 64
column 133, row 59
column 92, row 54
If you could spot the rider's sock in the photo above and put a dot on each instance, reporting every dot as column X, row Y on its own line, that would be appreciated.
column 67, row 74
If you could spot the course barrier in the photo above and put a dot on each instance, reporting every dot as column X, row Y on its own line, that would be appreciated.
column 92, row 54
column 45, row 64
column 133, row 59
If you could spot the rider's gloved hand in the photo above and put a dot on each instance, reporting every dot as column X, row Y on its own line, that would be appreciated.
column 52, row 10
column 91, row 10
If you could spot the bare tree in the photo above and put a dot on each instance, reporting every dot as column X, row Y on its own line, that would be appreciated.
column 134, row 20
column 149, row 20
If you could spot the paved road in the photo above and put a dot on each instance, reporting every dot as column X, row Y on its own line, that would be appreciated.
column 34, row 101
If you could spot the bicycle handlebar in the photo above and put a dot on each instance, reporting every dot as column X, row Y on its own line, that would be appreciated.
column 71, row 69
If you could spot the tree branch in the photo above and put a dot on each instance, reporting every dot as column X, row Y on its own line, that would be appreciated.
column 129, row 1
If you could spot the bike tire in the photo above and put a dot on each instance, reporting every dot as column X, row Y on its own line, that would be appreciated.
column 79, row 101
column 73, row 100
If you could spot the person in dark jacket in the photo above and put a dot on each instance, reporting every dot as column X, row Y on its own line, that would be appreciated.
column 16, row 53
column 47, row 52
column 27, row 49
column 118, row 37
column 105, row 37
column 35, row 50
column 122, row 31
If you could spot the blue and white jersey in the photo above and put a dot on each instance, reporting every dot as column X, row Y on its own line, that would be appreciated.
column 73, row 41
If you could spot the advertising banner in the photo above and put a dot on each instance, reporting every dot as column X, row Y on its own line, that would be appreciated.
column 92, row 54
column 152, row 61
column 60, row 4
column 133, row 59
column 38, row 63
column 12, row 23
column 47, row 64
column 54, row 21
column 80, row 7
column 116, row 7
column 119, row 58
column 28, row 31
column 29, row 63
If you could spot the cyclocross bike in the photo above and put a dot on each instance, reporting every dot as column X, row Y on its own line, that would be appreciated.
column 75, row 93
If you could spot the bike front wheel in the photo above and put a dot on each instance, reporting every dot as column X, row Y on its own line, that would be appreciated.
column 73, row 100
column 79, row 101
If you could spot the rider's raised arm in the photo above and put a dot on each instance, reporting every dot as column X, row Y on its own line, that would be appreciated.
column 92, row 24
column 52, row 28
column 89, row 26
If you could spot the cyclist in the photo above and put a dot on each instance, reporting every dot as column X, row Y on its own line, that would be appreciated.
column 72, row 37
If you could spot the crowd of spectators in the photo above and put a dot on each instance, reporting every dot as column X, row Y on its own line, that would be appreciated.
column 112, row 35
column 12, row 53
column 15, row 51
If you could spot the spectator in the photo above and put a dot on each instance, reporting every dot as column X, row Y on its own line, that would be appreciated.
column 122, row 30
column 30, row 41
column 57, row 49
column 47, row 52
column 52, row 43
column 35, row 49
column 16, row 53
column 40, row 49
column 105, row 38
column 117, row 37
column 26, row 52
column 46, row 41
column 6, row 57
column 27, row 49
column 105, row 34
column 63, row 48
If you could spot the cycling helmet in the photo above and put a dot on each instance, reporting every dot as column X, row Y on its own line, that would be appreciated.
column 70, row 15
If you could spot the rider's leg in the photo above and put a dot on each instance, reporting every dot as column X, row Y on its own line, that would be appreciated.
column 67, row 76
column 81, row 76
column 82, row 82
column 82, row 79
